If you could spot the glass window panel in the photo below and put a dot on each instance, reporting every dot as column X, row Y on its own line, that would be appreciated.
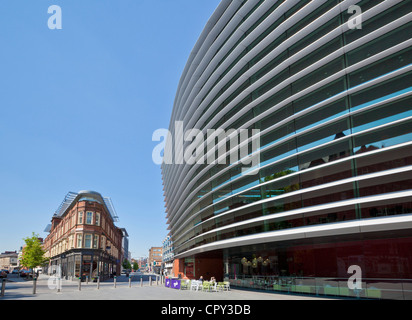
column 381, row 161
column 282, row 205
column 280, row 186
column 311, row 16
column 248, row 213
column 278, row 134
column 244, row 199
column 77, row 265
column 222, row 193
column 245, row 183
column 318, row 75
column 89, row 217
column 208, row 225
column 328, row 195
column 380, row 44
column 225, row 220
column 202, row 179
column 223, row 178
column 279, row 170
column 97, row 219
column 274, row 117
column 235, row 109
column 384, row 137
column 323, row 135
column 278, row 152
column 95, row 241
column 252, row 228
column 250, row 196
column 206, row 214
column 273, row 100
column 239, row 123
column 317, row 34
column 387, row 16
column 314, row 57
column 380, row 68
column 326, row 174
column 383, row 114
column 222, row 206
column 385, row 208
column 79, row 241
column 320, row 95
column 330, row 216
column 385, row 184
column 326, row 154
column 95, row 273
column 204, row 190
column 80, row 218
column 270, row 66
column 270, row 84
column 284, row 223
column 206, row 201
column 322, row 115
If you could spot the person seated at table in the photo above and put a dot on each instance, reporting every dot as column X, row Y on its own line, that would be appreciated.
column 201, row 279
column 212, row 280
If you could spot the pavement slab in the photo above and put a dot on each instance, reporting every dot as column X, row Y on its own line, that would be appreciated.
column 46, row 289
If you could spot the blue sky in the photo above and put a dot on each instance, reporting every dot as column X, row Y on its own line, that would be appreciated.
column 78, row 107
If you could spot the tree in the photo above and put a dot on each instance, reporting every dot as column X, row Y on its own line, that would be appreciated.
column 33, row 253
column 126, row 264
column 135, row 266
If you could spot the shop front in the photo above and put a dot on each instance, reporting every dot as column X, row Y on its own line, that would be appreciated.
column 324, row 266
column 89, row 264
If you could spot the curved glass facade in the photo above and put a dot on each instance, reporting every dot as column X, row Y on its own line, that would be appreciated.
column 333, row 106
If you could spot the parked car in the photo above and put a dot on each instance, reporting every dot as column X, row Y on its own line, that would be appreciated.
column 15, row 271
column 3, row 274
column 26, row 273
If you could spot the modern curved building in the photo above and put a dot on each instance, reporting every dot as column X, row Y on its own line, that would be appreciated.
column 331, row 93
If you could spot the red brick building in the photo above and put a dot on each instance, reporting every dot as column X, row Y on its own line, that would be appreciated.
column 155, row 259
column 84, row 240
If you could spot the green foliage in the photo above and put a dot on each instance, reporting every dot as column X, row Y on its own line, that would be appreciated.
column 135, row 266
column 276, row 175
column 33, row 253
column 126, row 264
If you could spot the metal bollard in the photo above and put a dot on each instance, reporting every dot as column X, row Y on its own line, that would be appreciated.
column 80, row 284
column 141, row 281
column 98, row 282
column 58, row 284
column 34, row 285
column 157, row 280
column 130, row 281
column 150, row 280
column 3, row 287
column 114, row 281
column 87, row 279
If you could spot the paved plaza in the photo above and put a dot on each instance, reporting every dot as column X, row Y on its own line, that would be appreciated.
column 19, row 289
